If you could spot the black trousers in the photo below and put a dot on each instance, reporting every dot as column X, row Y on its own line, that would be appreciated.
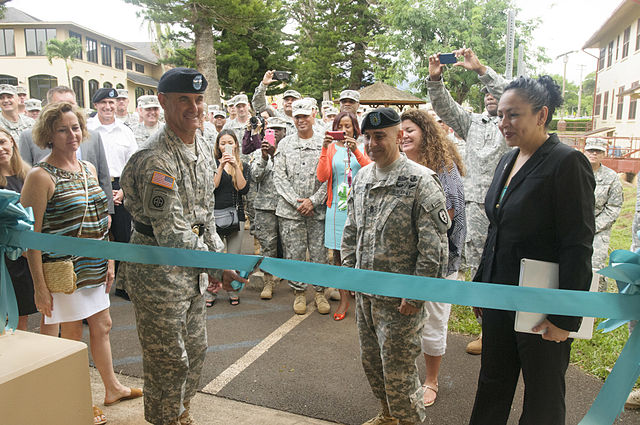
column 506, row 352
column 120, row 221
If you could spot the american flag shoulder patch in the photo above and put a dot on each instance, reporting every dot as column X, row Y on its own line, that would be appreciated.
column 162, row 179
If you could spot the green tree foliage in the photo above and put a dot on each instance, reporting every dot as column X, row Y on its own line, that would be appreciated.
column 65, row 50
column 425, row 27
column 332, row 44
column 571, row 95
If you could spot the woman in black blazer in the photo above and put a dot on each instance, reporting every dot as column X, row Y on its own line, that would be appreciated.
column 540, row 206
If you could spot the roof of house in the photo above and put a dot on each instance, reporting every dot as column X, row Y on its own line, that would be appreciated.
column 381, row 93
column 144, row 80
column 13, row 15
column 143, row 51
column 613, row 24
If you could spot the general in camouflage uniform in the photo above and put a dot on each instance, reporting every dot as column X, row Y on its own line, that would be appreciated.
column 150, row 113
column 12, row 121
column 300, row 208
column 484, row 147
column 169, row 185
column 259, row 102
column 266, row 200
column 608, row 203
column 396, row 222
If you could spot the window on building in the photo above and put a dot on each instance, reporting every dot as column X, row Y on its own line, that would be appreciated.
column 40, row 84
column 139, row 92
column 603, row 53
column 129, row 64
column 617, row 46
column 119, row 86
column 633, row 104
column 626, row 39
column 119, row 57
column 150, row 92
column 620, row 103
column 79, row 38
column 8, row 79
column 106, row 54
column 139, row 68
column 93, row 88
column 638, row 35
column 610, row 54
column 596, row 111
column 92, row 50
column 36, row 40
column 78, row 88
column 7, row 45
column 107, row 85
column 605, row 106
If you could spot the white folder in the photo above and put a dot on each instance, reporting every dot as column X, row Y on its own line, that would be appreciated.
column 543, row 274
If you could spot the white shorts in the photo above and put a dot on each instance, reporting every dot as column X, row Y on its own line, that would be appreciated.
column 434, row 334
column 79, row 305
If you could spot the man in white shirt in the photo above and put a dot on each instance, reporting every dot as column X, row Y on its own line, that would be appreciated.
column 119, row 144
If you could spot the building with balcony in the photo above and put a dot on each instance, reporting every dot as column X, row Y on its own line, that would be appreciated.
column 618, row 74
column 102, row 62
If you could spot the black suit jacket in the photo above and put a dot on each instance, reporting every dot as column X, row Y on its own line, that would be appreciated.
column 547, row 214
column 91, row 150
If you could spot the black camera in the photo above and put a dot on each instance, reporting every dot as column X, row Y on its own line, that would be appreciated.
column 281, row 75
column 256, row 121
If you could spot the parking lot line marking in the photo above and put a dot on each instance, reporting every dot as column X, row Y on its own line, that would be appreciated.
column 215, row 386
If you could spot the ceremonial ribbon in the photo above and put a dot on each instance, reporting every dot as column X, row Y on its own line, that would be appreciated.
column 619, row 308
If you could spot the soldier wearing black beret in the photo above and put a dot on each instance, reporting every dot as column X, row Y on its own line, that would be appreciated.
column 169, row 190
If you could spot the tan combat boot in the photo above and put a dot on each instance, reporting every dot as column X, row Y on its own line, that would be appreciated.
column 475, row 347
column 185, row 418
column 383, row 417
column 633, row 402
column 300, row 303
column 322, row 304
column 267, row 291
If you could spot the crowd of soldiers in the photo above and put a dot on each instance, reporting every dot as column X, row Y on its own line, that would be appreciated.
column 158, row 179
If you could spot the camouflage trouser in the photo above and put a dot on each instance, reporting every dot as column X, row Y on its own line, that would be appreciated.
column 599, row 258
column 389, row 346
column 298, row 236
column 477, row 228
column 174, row 342
column 266, row 231
column 249, row 209
column 635, row 226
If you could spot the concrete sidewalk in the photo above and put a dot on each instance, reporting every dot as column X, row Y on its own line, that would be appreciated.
column 206, row 409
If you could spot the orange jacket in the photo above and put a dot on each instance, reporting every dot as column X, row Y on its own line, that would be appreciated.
column 324, row 171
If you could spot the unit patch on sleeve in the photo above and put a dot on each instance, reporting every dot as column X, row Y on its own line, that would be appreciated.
column 162, row 179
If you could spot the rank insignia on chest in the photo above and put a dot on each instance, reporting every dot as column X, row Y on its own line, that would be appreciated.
column 162, row 179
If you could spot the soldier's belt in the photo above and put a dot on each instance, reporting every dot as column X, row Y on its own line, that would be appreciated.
column 15, row 234
column 147, row 230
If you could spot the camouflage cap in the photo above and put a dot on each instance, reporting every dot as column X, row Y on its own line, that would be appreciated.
column 301, row 107
column 313, row 101
column 122, row 93
column 33, row 105
column 326, row 104
column 219, row 113
column 380, row 118
column 596, row 143
column 350, row 94
column 148, row 101
column 8, row 89
column 331, row 111
column 21, row 90
column 276, row 122
column 241, row 98
column 212, row 108
column 292, row 93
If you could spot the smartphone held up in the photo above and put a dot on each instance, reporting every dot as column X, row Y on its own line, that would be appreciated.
column 447, row 58
column 337, row 135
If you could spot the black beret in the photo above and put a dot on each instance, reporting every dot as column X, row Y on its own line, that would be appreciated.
column 182, row 80
column 104, row 93
column 380, row 118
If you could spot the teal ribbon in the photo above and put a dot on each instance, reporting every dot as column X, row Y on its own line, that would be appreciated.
column 619, row 308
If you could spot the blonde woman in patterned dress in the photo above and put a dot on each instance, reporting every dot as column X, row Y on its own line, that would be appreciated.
column 67, row 200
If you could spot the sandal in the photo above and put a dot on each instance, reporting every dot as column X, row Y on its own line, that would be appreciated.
column 234, row 301
column 98, row 417
column 426, row 387
column 210, row 302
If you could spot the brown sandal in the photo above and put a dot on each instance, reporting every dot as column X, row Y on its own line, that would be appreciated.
column 135, row 393
column 98, row 417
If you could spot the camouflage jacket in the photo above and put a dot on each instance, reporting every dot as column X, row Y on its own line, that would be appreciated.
column 15, row 128
column 169, row 188
column 398, row 224
column 259, row 103
column 295, row 163
column 142, row 132
column 485, row 145
column 262, row 174
column 608, row 196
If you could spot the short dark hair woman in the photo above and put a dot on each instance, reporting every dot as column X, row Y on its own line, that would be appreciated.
column 540, row 206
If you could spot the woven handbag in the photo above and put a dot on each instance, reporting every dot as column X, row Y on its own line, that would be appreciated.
column 60, row 276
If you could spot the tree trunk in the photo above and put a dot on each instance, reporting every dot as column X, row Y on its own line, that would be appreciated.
column 357, row 66
column 206, row 59
column 66, row 65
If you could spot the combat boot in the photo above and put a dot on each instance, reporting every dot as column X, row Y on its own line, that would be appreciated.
column 267, row 291
column 322, row 304
column 475, row 347
column 300, row 303
column 185, row 418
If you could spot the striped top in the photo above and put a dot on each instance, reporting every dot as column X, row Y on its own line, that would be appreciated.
column 63, row 216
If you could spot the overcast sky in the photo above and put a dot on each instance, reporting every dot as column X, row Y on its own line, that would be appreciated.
column 566, row 24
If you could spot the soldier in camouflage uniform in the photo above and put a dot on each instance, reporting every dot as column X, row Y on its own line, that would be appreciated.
column 122, row 111
column 484, row 144
column 300, row 208
column 168, row 187
column 259, row 102
column 608, row 196
column 396, row 222
column 266, row 201
column 149, row 110
column 10, row 119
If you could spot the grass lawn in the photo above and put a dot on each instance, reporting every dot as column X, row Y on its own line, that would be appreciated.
column 595, row 356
